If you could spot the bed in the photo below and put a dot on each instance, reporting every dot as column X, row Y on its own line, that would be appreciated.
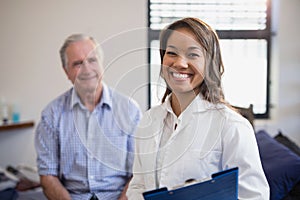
column 280, row 158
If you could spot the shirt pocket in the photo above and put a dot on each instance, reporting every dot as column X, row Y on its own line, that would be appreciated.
column 149, row 181
column 73, row 157
column 115, row 153
column 200, row 164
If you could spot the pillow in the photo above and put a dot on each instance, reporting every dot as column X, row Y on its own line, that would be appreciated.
column 288, row 143
column 281, row 165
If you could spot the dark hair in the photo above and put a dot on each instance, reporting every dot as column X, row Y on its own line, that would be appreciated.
column 210, row 88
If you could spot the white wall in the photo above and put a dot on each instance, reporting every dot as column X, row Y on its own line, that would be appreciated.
column 32, row 31
column 285, row 70
column 31, row 34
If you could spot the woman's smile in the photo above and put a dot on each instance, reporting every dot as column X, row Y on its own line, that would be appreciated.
column 180, row 76
column 183, row 62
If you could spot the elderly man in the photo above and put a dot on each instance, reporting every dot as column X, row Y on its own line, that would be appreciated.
column 84, row 140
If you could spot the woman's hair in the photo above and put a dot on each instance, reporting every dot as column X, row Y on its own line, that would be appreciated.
column 75, row 38
column 210, row 88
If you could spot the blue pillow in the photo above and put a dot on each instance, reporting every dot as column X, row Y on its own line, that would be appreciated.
column 281, row 165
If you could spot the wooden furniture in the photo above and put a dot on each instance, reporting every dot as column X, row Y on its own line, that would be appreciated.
column 246, row 112
column 19, row 125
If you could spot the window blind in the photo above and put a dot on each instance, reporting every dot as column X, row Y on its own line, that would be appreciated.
column 220, row 14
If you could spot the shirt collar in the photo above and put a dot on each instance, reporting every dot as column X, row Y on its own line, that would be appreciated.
column 197, row 105
column 167, row 104
column 75, row 99
column 105, row 98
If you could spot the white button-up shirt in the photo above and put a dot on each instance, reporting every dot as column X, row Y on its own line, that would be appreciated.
column 207, row 139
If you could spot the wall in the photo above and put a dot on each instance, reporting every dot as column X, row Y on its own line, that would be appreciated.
column 285, row 70
column 289, row 61
column 32, row 31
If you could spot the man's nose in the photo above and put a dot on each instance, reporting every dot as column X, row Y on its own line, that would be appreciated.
column 85, row 65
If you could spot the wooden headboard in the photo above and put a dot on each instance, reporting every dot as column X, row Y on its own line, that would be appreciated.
column 246, row 112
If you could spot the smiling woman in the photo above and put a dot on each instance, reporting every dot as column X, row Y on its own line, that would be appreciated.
column 183, row 65
column 188, row 47
column 194, row 133
column 182, row 52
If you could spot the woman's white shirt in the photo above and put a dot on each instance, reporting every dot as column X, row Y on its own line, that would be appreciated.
column 208, row 138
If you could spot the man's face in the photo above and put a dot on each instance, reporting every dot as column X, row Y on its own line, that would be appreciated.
column 83, row 68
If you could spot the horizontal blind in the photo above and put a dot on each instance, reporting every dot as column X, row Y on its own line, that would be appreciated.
column 220, row 14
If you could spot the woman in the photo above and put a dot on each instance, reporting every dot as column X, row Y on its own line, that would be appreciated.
column 194, row 132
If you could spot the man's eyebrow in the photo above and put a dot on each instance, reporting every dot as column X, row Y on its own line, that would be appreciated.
column 76, row 62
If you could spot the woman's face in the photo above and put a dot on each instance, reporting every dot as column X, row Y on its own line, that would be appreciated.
column 183, row 62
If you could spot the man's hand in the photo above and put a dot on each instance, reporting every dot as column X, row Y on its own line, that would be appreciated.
column 123, row 194
column 53, row 189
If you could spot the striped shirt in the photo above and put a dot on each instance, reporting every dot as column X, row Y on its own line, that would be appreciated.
column 90, row 152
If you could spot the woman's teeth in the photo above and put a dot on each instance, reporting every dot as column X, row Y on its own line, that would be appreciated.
column 178, row 75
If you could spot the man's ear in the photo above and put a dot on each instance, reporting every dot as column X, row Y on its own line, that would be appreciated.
column 65, row 69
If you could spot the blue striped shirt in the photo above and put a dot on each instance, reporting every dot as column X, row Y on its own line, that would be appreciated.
column 90, row 152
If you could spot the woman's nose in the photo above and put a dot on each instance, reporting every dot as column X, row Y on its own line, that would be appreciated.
column 181, row 62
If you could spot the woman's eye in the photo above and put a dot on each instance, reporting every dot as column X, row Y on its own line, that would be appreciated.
column 171, row 53
column 193, row 55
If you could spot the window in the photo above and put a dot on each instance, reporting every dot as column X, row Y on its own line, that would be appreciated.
column 244, row 30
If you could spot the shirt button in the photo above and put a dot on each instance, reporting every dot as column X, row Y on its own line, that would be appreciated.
column 92, row 177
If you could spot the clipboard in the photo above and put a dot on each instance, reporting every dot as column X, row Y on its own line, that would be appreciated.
column 222, row 185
